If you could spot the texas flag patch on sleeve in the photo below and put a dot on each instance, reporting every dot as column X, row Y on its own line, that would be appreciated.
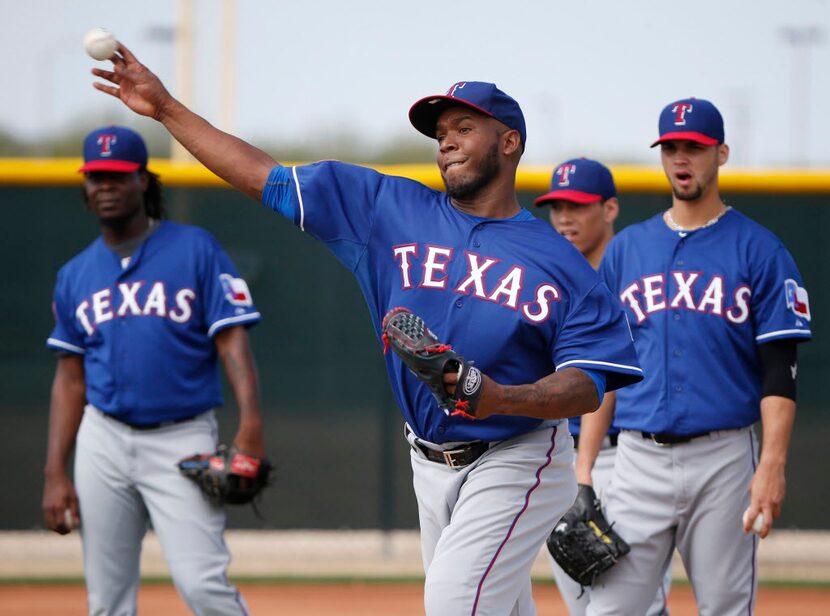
column 797, row 299
column 236, row 290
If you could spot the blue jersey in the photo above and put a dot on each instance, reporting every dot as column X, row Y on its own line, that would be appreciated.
column 146, row 330
column 700, row 303
column 512, row 295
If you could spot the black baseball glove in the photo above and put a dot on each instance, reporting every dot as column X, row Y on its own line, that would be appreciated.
column 227, row 476
column 583, row 543
column 429, row 360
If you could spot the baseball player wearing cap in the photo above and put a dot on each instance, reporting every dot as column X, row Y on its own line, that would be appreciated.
column 717, row 307
column 583, row 207
column 487, row 277
column 140, row 318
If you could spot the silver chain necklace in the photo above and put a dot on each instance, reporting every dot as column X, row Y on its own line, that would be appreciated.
column 668, row 218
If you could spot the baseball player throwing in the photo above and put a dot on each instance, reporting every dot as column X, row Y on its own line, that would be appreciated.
column 500, row 286
column 583, row 207
column 717, row 307
column 141, row 315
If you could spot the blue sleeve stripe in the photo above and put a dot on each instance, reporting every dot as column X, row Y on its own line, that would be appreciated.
column 601, row 365
column 223, row 323
column 786, row 333
column 599, row 380
column 276, row 194
column 64, row 346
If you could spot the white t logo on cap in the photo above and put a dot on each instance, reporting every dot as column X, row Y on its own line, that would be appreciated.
column 106, row 142
column 454, row 87
column 680, row 113
column 564, row 172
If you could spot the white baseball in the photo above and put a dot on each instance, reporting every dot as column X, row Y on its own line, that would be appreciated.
column 758, row 524
column 99, row 44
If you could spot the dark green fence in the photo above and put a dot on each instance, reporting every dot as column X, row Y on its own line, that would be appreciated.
column 332, row 427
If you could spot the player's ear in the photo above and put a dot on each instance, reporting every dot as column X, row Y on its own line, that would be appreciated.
column 610, row 210
column 723, row 153
column 512, row 142
column 144, row 178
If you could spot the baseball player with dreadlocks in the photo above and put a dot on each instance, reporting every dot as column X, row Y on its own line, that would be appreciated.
column 142, row 314
column 583, row 207
column 717, row 308
column 490, row 451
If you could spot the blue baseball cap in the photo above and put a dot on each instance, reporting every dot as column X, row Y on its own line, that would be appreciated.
column 481, row 96
column 580, row 180
column 691, row 119
column 114, row 148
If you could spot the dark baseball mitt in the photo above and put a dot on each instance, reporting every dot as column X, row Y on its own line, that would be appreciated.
column 227, row 476
column 429, row 360
column 583, row 543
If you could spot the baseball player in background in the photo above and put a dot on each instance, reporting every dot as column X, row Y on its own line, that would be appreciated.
column 583, row 207
column 717, row 307
column 489, row 278
column 141, row 316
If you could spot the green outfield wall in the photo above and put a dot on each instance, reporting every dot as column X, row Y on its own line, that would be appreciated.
column 332, row 427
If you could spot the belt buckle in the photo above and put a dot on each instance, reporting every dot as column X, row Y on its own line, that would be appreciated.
column 656, row 442
column 449, row 460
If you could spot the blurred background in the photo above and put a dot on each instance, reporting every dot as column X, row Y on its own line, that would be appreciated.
column 327, row 79
column 322, row 78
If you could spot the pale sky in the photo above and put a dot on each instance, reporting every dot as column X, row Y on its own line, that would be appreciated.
column 591, row 76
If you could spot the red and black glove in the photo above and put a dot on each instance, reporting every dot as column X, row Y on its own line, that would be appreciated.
column 428, row 359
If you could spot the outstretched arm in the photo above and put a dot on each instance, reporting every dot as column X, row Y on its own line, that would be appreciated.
column 242, row 165
column 235, row 351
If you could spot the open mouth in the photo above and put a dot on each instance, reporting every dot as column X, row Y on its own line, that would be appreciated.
column 683, row 178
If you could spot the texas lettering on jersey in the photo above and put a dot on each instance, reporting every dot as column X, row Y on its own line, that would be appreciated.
column 691, row 291
column 138, row 299
column 506, row 291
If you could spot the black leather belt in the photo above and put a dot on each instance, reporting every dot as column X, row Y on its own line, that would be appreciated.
column 672, row 439
column 455, row 458
column 151, row 426
column 607, row 442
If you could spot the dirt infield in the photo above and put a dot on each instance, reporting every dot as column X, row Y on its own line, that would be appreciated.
column 359, row 599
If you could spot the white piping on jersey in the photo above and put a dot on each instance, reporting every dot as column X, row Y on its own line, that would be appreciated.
column 240, row 319
column 783, row 332
column 599, row 363
column 66, row 345
column 299, row 198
